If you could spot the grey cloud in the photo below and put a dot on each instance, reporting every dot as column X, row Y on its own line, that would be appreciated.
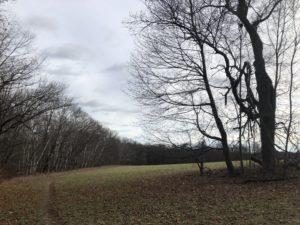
column 68, row 51
column 63, row 71
column 113, row 109
column 118, row 124
column 90, row 104
column 100, row 90
column 116, row 68
column 95, row 106
column 127, row 111
column 41, row 23
column 87, row 48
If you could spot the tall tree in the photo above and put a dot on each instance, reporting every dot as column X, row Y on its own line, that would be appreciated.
column 190, row 57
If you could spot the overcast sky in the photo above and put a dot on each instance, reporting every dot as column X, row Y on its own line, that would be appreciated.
column 88, row 48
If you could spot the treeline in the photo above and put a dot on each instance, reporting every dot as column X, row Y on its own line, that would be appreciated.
column 58, row 140
column 133, row 153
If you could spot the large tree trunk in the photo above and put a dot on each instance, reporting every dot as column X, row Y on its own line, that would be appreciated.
column 227, row 157
column 267, row 99
column 266, row 108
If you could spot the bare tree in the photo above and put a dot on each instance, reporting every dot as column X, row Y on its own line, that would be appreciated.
column 284, row 39
column 23, row 96
column 190, row 60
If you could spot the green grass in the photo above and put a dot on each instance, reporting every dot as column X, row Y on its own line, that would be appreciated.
column 168, row 194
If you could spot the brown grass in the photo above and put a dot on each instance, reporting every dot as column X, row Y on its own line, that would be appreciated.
column 155, row 195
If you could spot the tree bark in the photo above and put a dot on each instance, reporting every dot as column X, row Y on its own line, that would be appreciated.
column 267, row 99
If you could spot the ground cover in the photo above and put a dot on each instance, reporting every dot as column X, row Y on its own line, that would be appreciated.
column 169, row 194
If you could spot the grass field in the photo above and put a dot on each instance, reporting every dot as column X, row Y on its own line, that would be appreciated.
column 154, row 195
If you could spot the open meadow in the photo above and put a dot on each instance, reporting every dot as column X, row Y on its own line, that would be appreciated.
column 153, row 195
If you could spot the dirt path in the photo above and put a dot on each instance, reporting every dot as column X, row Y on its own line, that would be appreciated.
column 52, row 216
